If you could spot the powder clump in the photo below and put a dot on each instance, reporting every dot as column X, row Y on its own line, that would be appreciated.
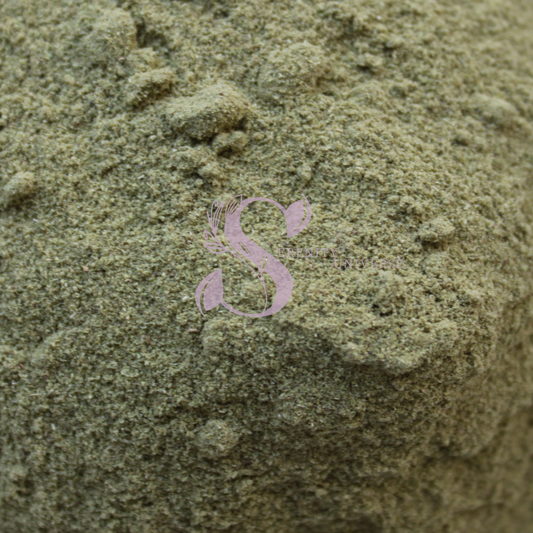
column 292, row 70
column 439, row 229
column 145, row 85
column 230, row 142
column 208, row 112
column 496, row 111
column 20, row 186
column 114, row 36
column 144, row 60
column 216, row 439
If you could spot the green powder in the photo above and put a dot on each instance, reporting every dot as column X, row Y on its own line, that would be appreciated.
column 378, row 400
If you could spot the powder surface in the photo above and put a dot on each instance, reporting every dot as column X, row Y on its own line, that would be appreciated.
column 378, row 400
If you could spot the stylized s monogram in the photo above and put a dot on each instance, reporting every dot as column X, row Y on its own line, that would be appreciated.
column 241, row 245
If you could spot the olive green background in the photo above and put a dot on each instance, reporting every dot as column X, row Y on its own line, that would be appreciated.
column 375, row 401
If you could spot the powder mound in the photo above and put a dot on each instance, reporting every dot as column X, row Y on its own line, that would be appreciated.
column 496, row 111
column 292, row 70
column 144, row 60
column 390, row 293
column 436, row 230
column 145, row 85
column 380, row 399
column 230, row 142
column 216, row 439
column 114, row 36
column 371, row 62
column 20, row 186
column 200, row 161
column 420, row 347
column 214, row 109
column 48, row 352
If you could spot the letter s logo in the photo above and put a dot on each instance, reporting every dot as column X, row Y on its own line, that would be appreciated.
column 240, row 245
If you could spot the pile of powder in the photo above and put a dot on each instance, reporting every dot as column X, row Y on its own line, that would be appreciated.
column 375, row 401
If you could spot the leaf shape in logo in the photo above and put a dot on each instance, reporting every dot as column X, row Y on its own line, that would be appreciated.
column 294, row 215
column 233, row 205
column 214, row 219
column 214, row 291
column 215, row 247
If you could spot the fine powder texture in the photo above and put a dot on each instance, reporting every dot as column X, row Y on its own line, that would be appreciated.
column 378, row 400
